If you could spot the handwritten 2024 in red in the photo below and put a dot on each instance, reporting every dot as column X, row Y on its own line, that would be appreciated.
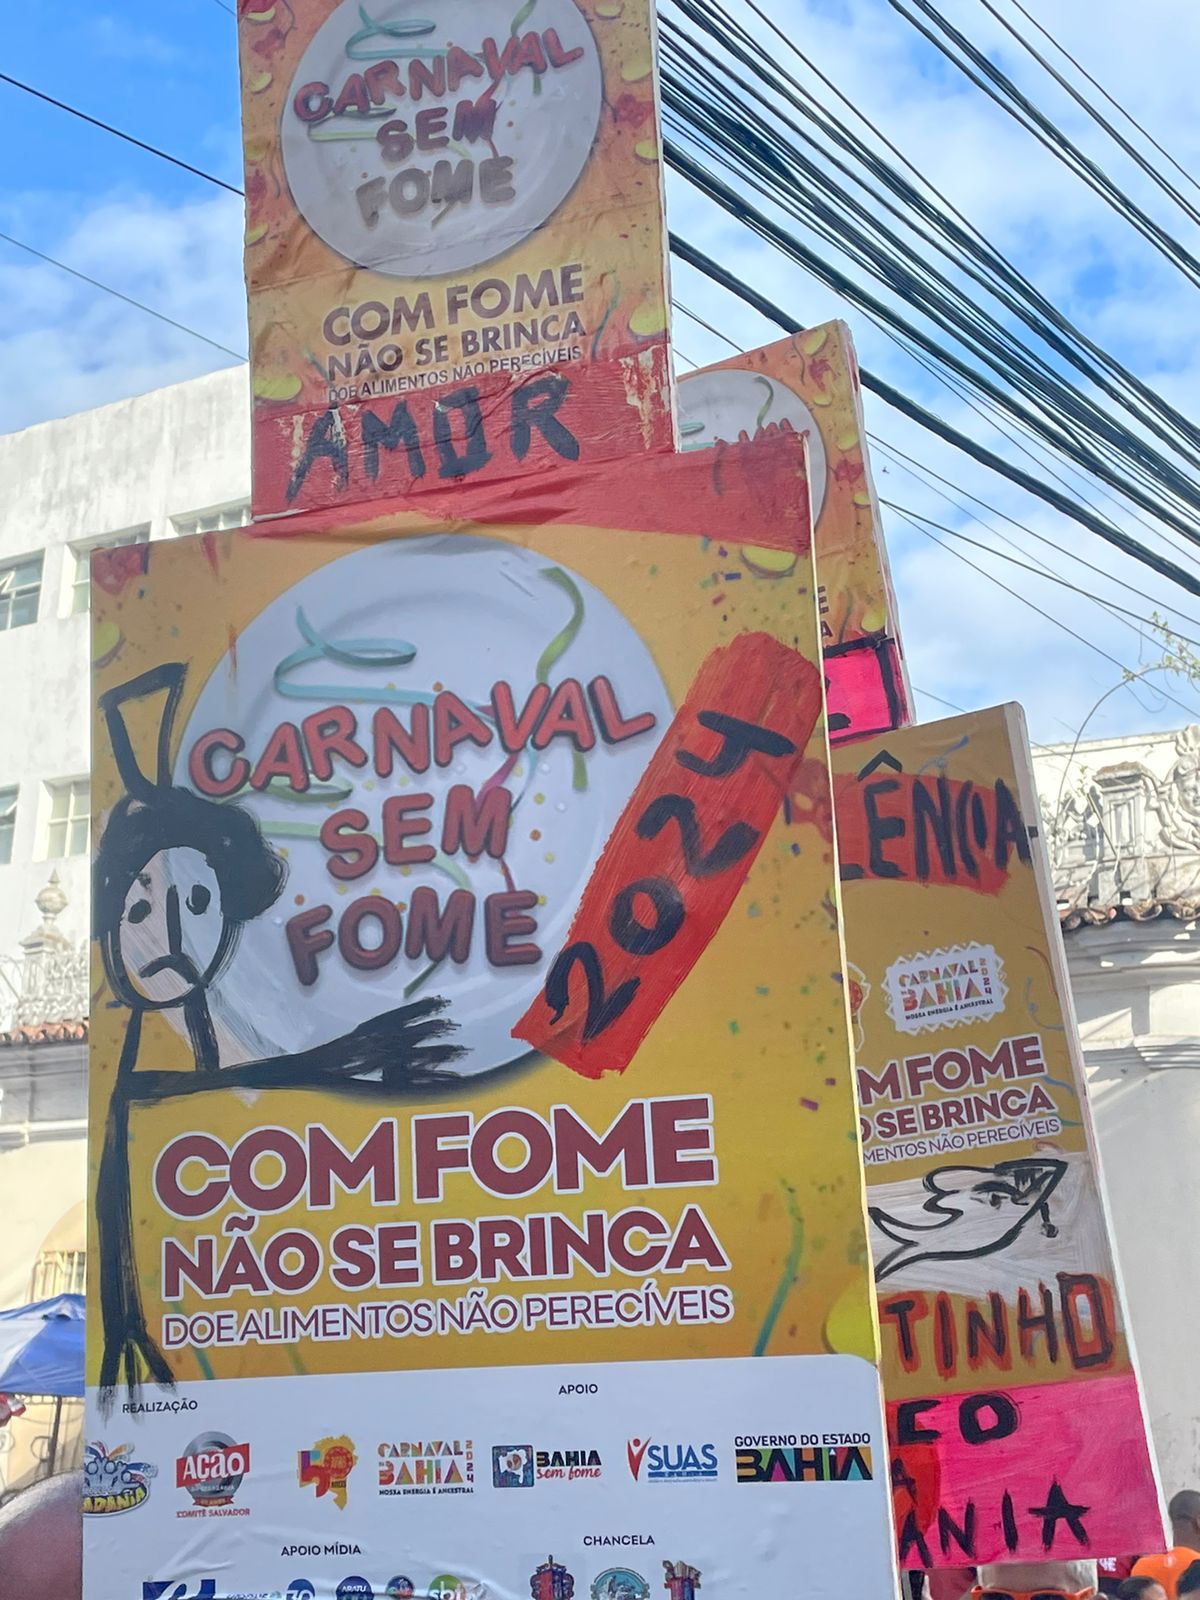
column 679, row 853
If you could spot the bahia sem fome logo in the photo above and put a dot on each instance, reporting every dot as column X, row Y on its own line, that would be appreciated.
column 327, row 1467
column 671, row 1463
column 512, row 1466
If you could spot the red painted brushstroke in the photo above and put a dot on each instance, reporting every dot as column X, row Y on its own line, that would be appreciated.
column 678, row 855
column 742, row 493
column 923, row 827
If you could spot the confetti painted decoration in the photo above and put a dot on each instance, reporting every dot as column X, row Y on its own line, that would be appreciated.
column 678, row 855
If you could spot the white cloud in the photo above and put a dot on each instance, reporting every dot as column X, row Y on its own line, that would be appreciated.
column 68, row 347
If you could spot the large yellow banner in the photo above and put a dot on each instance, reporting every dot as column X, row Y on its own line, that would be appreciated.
column 808, row 385
column 469, row 1001
column 1016, row 1421
column 455, row 248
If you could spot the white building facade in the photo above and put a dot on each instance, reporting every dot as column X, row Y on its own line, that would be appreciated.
column 1122, row 821
column 173, row 461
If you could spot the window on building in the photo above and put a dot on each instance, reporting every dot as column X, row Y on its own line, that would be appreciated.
column 234, row 516
column 20, row 590
column 80, row 572
column 59, row 1272
column 69, row 826
column 8, row 824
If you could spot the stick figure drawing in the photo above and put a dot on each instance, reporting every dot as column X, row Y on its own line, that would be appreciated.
column 176, row 879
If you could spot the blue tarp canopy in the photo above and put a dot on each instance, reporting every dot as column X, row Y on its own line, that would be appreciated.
column 41, row 1348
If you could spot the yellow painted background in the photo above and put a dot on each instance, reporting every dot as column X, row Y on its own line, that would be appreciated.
column 819, row 365
column 890, row 919
column 612, row 221
column 761, row 1022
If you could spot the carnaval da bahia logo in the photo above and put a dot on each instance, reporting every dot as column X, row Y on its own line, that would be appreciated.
column 430, row 1466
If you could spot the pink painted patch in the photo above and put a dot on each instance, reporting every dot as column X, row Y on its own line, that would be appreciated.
column 1063, row 1462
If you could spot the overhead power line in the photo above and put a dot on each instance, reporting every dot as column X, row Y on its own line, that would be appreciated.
column 926, row 473
column 746, row 120
column 1087, row 104
column 912, row 409
column 151, row 149
column 986, row 76
column 1101, row 90
column 1038, row 571
column 128, row 299
column 934, row 424
column 1025, row 601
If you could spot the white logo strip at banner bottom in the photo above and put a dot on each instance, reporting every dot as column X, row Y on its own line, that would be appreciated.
column 661, row 1480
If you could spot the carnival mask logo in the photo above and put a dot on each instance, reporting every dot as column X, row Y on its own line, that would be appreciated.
column 420, row 147
column 112, row 1481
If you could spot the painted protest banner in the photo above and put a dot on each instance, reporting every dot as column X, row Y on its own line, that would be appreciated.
column 455, row 248
column 574, row 1318
column 1015, row 1416
column 808, row 384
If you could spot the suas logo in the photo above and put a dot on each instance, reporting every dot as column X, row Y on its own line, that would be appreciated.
column 671, row 1463
column 327, row 1467
column 112, row 1482
column 211, row 1469
column 431, row 1466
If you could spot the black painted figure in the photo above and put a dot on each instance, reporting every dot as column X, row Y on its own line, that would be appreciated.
column 177, row 877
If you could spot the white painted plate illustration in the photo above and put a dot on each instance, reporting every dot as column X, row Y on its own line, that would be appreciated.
column 402, row 223
column 730, row 401
column 474, row 611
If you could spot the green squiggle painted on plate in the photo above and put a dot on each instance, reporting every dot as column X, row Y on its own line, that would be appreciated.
column 557, row 648
column 788, row 1277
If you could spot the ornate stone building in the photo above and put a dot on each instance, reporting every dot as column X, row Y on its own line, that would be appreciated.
column 1122, row 820
column 43, row 1153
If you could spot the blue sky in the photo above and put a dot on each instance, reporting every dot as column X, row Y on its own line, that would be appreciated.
column 167, row 73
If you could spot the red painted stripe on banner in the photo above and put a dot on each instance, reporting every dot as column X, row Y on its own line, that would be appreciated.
column 923, row 827
column 750, row 493
column 678, row 855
